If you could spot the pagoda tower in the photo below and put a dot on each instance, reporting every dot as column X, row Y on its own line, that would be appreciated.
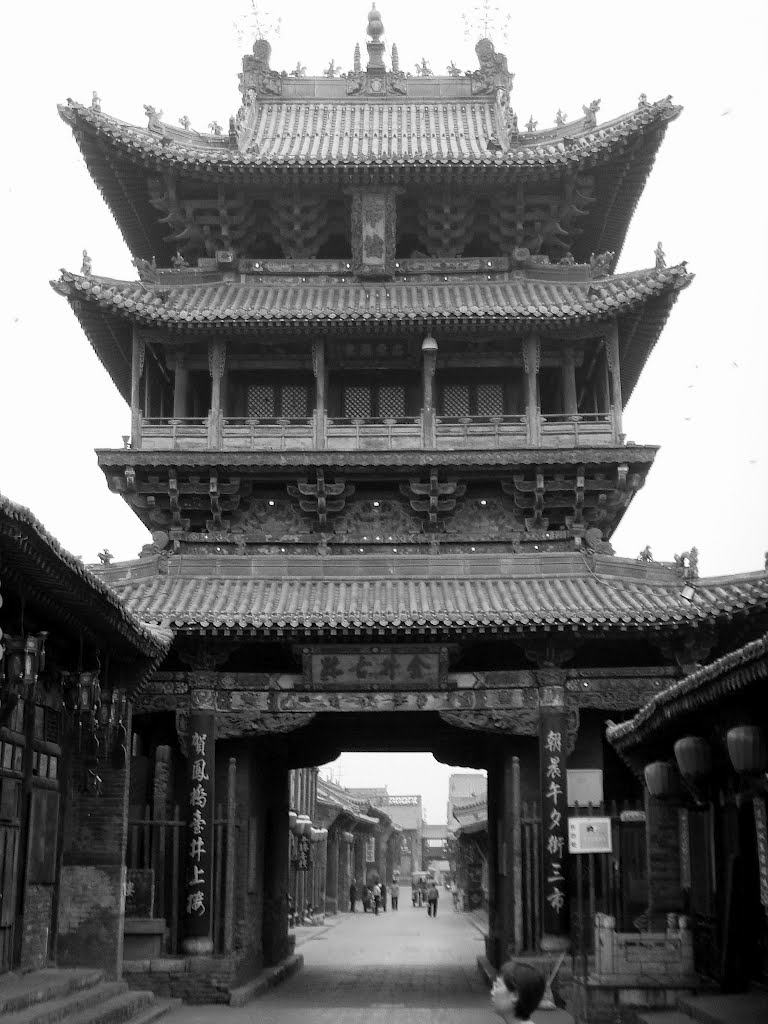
column 376, row 362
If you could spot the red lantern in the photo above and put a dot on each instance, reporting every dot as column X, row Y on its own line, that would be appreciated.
column 694, row 757
column 663, row 780
column 747, row 749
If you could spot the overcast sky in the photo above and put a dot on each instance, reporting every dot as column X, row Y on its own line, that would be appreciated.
column 703, row 393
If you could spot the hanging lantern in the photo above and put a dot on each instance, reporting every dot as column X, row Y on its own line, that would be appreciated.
column 747, row 749
column 25, row 658
column 663, row 780
column 694, row 757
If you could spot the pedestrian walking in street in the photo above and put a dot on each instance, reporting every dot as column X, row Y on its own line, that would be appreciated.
column 376, row 893
column 432, row 898
column 394, row 892
column 352, row 895
column 366, row 899
column 384, row 897
column 517, row 992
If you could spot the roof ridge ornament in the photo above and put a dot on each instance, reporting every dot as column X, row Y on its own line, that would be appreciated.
column 493, row 73
column 590, row 114
column 257, row 76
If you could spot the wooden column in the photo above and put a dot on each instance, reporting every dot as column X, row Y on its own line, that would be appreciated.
column 506, row 902
column 531, row 350
column 495, row 782
column 570, row 402
column 275, row 921
column 429, row 365
column 321, row 389
column 332, row 871
column 553, row 738
column 217, row 361
column 180, row 386
column 614, row 377
column 200, row 802
column 517, row 854
column 138, row 351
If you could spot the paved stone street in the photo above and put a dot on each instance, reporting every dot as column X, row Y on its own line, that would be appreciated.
column 394, row 968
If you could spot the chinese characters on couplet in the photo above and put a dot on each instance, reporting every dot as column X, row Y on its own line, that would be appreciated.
column 198, row 853
column 554, row 819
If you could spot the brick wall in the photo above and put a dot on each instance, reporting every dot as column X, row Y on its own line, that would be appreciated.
column 91, row 892
column 38, row 902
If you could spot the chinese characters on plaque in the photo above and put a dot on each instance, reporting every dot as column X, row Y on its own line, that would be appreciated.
column 200, row 826
column 554, row 824
column 375, row 667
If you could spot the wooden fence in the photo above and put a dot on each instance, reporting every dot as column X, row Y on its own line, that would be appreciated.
column 609, row 883
column 162, row 846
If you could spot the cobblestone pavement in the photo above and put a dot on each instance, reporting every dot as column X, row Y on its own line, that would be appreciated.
column 393, row 968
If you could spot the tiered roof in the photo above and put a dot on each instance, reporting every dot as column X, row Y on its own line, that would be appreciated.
column 367, row 127
column 271, row 595
column 539, row 296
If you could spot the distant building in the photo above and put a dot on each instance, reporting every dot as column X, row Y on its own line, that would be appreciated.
column 407, row 812
column 463, row 788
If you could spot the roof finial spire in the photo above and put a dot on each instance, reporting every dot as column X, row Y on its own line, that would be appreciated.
column 375, row 46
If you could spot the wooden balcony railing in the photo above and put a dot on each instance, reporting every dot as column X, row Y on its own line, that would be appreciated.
column 248, row 433
column 374, row 433
column 490, row 431
column 278, row 434
column 160, row 433
column 576, row 428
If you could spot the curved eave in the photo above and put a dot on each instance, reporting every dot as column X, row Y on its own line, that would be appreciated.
column 425, row 596
column 707, row 687
column 34, row 557
column 620, row 153
column 107, row 308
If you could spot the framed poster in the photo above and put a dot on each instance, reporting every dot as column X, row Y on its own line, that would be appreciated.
column 589, row 835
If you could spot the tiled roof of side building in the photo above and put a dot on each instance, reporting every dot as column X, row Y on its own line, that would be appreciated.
column 706, row 686
column 425, row 594
column 554, row 297
column 30, row 553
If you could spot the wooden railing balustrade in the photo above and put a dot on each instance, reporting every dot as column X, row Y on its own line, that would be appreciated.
column 427, row 430
column 162, row 846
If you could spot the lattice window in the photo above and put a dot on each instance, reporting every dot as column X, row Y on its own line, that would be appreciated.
column 490, row 400
column 456, row 400
column 357, row 402
column 261, row 401
column 268, row 401
column 294, row 401
column 391, row 401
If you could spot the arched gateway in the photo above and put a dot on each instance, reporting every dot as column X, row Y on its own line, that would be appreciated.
column 376, row 363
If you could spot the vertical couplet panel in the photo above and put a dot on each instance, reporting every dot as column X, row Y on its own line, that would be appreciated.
column 198, row 881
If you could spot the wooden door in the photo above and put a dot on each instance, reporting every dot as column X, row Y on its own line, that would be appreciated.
column 10, row 864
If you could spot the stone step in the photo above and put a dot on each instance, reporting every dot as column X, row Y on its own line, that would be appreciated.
column 156, row 1009
column 718, row 1008
column 18, row 991
column 54, row 1011
column 120, row 1009
column 661, row 1017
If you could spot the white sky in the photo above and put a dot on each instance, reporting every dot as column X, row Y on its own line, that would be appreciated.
column 703, row 392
